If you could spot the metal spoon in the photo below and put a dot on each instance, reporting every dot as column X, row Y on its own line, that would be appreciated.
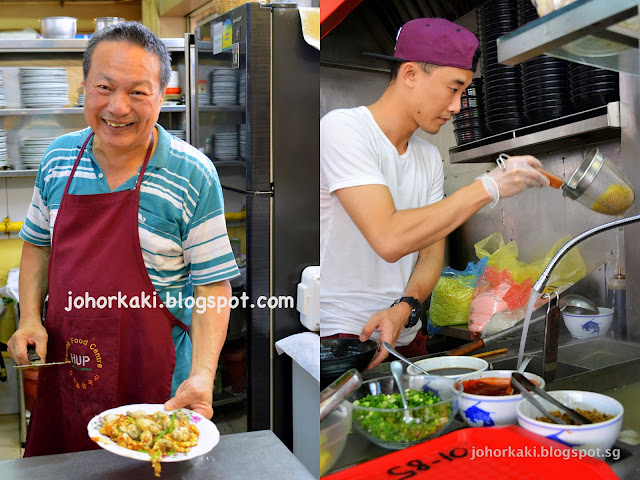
column 528, row 384
column 396, row 371
column 402, row 357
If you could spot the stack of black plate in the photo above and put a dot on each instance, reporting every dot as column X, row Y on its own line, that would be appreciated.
column 545, row 86
column 592, row 87
column 502, row 93
column 526, row 12
column 468, row 123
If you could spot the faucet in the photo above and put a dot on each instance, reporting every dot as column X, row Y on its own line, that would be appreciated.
column 544, row 277
column 552, row 321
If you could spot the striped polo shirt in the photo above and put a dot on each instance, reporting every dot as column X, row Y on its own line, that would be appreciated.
column 183, row 234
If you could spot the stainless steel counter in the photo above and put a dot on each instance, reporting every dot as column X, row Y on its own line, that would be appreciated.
column 600, row 365
column 252, row 455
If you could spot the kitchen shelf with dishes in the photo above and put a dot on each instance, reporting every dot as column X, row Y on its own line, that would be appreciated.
column 68, row 110
column 587, row 127
column 599, row 33
column 42, row 97
column 540, row 105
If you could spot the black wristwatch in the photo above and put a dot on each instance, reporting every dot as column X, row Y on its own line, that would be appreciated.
column 416, row 307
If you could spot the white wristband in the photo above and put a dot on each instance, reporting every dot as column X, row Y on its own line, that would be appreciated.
column 491, row 187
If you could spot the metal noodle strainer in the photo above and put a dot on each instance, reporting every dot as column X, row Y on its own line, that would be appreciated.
column 597, row 184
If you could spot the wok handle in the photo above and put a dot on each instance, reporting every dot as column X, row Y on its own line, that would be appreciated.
column 467, row 348
column 556, row 182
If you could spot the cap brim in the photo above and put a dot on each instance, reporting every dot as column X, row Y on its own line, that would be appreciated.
column 380, row 56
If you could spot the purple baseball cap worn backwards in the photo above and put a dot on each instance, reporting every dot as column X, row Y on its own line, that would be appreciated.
column 434, row 40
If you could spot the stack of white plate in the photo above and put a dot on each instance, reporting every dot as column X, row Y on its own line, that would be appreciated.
column 226, row 146
column 3, row 100
column 4, row 157
column 181, row 134
column 174, row 81
column 243, row 141
column 224, row 86
column 44, row 87
column 80, row 100
column 204, row 95
column 242, row 90
column 32, row 150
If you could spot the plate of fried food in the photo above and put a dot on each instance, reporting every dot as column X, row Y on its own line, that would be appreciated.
column 150, row 433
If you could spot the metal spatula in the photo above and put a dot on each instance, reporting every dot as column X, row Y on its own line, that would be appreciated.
column 35, row 361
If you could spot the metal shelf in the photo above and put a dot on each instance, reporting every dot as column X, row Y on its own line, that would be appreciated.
column 40, row 111
column 173, row 108
column 44, row 45
column 67, row 110
column 221, row 108
column 591, row 126
column 600, row 33
column 228, row 163
column 18, row 173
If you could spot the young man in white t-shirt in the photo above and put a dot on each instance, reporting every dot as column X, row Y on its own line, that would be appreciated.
column 383, row 218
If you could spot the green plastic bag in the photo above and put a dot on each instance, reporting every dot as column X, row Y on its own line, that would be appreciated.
column 451, row 297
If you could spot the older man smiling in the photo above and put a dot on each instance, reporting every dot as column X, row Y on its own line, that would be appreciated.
column 121, row 208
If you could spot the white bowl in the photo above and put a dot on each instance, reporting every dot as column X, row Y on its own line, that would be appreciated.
column 447, row 363
column 487, row 411
column 589, row 326
column 594, row 438
column 333, row 435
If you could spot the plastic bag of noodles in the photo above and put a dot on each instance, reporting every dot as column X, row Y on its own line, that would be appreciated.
column 451, row 297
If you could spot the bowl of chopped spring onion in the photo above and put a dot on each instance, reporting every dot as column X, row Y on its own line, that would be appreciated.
column 378, row 412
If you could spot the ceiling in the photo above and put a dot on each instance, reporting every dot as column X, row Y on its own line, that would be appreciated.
column 372, row 27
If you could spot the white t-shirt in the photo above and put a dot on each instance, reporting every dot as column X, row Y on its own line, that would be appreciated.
column 355, row 281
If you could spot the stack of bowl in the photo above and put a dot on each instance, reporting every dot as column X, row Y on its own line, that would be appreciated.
column 337, row 355
column 592, row 87
column 468, row 123
column 502, row 93
column 545, row 90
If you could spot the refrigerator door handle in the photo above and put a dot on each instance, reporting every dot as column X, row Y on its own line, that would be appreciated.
column 251, row 193
column 274, row 5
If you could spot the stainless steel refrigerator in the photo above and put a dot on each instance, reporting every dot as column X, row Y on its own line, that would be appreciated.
column 273, row 170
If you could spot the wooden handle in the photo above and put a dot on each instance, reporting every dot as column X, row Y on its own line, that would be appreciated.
column 556, row 182
column 467, row 348
column 492, row 352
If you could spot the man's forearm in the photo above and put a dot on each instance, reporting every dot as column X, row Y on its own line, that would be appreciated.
column 426, row 273
column 209, row 328
column 32, row 282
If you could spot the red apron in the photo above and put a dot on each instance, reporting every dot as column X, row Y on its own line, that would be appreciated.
column 118, row 355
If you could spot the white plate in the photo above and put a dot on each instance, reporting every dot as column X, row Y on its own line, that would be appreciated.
column 209, row 435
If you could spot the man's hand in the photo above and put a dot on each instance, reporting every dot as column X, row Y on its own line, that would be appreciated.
column 195, row 393
column 28, row 333
column 389, row 322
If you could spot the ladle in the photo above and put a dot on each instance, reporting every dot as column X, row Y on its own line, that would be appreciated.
column 402, row 357
column 577, row 305
column 396, row 371
column 525, row 383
